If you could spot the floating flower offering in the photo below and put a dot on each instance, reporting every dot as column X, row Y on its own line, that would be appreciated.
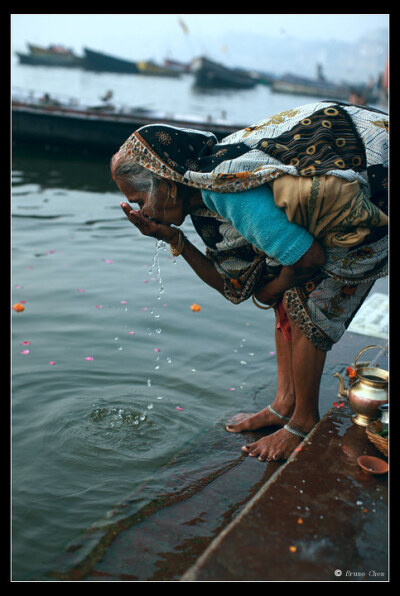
column 18, row 307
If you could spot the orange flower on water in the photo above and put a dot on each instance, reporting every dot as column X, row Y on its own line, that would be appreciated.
column 293, row 549
column 195, row 307
column 18, row 307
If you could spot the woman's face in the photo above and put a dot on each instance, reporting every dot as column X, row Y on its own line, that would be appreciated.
column 162, row 207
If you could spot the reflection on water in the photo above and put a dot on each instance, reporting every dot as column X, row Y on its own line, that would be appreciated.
column 60, row 170
column 113, row 374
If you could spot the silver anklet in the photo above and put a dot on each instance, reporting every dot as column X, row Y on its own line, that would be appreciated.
column 271, row 409
column 295, row 432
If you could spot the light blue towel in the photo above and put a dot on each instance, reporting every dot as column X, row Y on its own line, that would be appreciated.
column 255, row 216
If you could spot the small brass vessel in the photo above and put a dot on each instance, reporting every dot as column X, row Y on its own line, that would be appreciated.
column 367, row 392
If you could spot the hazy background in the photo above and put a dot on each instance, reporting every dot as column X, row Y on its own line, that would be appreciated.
column 351, row 47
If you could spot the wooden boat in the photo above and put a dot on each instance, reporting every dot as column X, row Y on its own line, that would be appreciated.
column 51, row 49
column 49, row 121
column 49, row 60
column 212, row 74
column 98, row 61
column 296, row 85
column 51, row 56
column 263, row 78
column 176, row 65
column 150, row 68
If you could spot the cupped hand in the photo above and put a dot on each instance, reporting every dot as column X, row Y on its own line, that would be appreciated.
column 149, row 227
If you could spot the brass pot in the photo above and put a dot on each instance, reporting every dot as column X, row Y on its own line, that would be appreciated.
column 367, row 392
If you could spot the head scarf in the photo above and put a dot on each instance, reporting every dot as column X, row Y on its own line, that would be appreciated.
column 324, row 138
column 314, row 140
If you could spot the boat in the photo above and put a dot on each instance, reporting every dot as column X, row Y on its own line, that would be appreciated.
column 150, row 68
column 212, row 74
column 53, row 55
column 49, row 60
column 100, row 62
column 51, row 49
column 297, row 85
column 50, row 121
column 182, row 67
column 263, row 78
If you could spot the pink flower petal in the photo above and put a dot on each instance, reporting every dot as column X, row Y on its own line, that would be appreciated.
column 25, row 352
column 98, row 306
column 178, row 408
column 131, row 333
column 52, row 362
column 89, row 358
column 157, row 350
column 25, row 343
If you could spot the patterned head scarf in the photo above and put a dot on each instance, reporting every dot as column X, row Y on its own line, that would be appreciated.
column 171, row 152
column 324, row 138
column 318, row 139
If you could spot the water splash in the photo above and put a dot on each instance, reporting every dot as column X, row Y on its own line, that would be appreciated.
column 155, row 270
column 155, row 266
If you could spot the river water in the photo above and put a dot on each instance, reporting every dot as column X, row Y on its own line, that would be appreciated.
column 113, row 373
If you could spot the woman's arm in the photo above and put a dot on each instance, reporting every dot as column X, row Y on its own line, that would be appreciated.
column 291, row 275
column 200, row 264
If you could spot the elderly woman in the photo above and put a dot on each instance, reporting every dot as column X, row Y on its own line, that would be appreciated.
column 293, row 213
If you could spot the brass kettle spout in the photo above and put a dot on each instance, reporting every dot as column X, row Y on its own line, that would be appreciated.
column 342, row 390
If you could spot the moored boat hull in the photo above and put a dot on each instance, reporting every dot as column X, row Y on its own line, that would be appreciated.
column 211, row 74
column 97, row 129
column 100, row 62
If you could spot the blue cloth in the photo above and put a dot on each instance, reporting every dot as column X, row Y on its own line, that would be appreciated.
column 255, row 216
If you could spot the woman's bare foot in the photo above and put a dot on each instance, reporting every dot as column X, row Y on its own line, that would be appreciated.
column 266, row 417
column 278, row 446
column 281, row 444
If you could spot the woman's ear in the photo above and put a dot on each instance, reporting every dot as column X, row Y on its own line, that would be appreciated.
column 174, row 190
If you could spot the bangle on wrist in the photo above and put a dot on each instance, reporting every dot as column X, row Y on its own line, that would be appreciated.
column 265, row 307
column 176, row 250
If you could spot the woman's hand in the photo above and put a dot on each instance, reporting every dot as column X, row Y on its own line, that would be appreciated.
column 292, row 275
column 149, row 227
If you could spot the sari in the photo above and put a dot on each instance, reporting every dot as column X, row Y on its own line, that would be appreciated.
column 327, row 164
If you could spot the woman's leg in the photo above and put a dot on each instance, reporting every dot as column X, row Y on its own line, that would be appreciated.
column 307, row 367
column 285, row 395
